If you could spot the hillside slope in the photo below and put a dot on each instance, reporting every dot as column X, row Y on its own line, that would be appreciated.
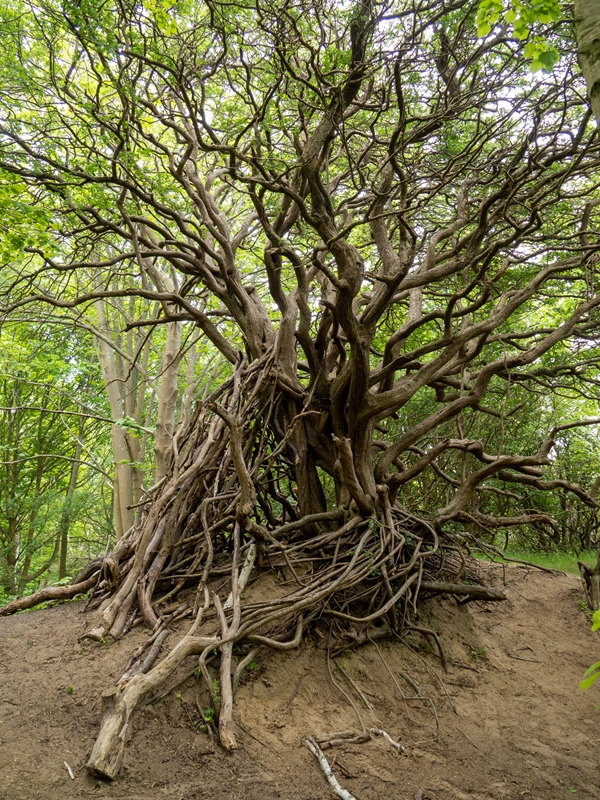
column 521, row 728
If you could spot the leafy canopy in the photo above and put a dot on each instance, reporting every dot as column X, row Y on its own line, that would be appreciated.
column 525, row 21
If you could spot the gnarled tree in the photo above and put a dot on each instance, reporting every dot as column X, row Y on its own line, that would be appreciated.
column 383, row 224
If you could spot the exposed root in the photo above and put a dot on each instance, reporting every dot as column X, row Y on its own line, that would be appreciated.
column 107, row 754
column 141, row 668
column 242, row 505
column 436, row 639
column 473, row 592
column 366, row 702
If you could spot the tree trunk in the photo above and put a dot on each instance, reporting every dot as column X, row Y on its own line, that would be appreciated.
column 587, row 29
column 123, row 484
column 167, row 400
column 171, row 360
column 9, row 578
column 67, row 510
column 590, row 578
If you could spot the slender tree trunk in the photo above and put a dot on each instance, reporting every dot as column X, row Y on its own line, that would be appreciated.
column 123, row 483
column 67, row 511
column 171, row 360
column 191, row 384
column 25, row 578
column 10, row 576
column 133, row 394
column 39, row 472
column 167, row 400
column 590, row 577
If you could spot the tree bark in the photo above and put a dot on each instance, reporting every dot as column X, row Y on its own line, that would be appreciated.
column 167, row 400
column 123, row 483
column 590, row 578
column 587, row 30
column 46, row 594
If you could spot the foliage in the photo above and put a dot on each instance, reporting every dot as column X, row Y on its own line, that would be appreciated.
column 593, row 673
column 43, row 372
column 558, row 559
column 524, row 20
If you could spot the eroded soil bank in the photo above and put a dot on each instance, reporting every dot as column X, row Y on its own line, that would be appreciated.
column 520, row 727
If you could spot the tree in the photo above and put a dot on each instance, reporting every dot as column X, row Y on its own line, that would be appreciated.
column 383, row 224
column 525, row 19
column 587, row 26
column 44, row 429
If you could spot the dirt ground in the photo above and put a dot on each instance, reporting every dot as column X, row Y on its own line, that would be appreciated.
column 513, row 723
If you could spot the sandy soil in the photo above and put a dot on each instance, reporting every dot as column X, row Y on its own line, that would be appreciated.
column 520, row 727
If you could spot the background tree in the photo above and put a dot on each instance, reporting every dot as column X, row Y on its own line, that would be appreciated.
column 47, row 472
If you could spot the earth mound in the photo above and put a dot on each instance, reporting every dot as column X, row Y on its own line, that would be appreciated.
column 511, row 720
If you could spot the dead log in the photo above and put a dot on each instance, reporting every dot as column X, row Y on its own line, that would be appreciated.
column 49, row 593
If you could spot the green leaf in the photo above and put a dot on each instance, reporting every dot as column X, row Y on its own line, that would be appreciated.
column 592, row 668
column 590, row 676
column 483, row 29
column 548, row 59
column 132, row 427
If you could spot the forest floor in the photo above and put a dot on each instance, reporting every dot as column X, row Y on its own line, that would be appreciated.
column 521, row 727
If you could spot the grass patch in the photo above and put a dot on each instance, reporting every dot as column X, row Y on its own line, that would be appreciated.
column 563, row 560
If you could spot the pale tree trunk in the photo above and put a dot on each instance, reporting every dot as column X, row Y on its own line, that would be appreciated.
column 171, row 361
column 167, row 400
column 123, row 483
column 124, row 360
column 133, row 392
column 587, row 30
column 191, row 384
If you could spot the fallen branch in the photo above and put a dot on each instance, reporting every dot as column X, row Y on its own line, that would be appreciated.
column 360, row 738
column 331, row 779
column 107, row 754
column 388, row 738
column 327, row 737
column 49, row 593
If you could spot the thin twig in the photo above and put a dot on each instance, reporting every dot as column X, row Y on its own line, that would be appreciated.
column 468, row 738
